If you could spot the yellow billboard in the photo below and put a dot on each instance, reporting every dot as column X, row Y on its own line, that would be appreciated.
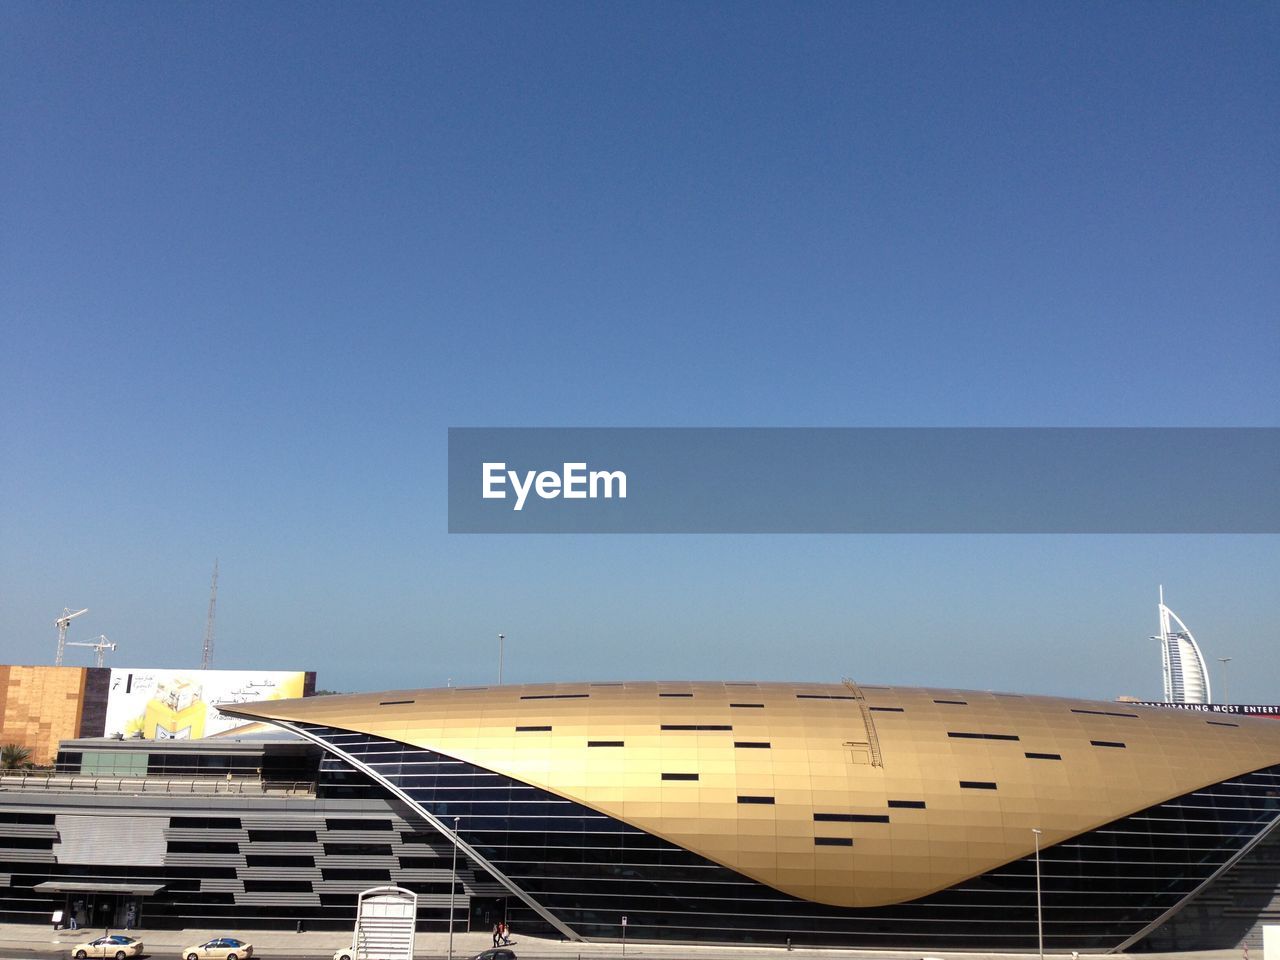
column 178, row 704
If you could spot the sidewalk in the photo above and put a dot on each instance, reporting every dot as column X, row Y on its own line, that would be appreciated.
column 167, row 944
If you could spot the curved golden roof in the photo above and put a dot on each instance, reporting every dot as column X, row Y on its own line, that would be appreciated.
column 854, row 797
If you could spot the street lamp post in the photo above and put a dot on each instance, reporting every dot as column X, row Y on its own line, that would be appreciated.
column 502, row 637
column 1039, row 909
column 453, row 884
column 1224, row 661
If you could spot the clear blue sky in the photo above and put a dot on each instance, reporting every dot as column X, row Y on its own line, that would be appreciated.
column 258, row 258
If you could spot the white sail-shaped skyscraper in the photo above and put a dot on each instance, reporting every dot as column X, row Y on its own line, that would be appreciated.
column 1186, row 679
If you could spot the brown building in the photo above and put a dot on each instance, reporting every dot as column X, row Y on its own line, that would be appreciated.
column 40, row 706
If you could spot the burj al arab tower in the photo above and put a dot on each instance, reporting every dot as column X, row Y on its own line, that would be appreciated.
column 1186, row 680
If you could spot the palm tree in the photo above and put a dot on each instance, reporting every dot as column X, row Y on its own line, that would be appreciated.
column 14, row 756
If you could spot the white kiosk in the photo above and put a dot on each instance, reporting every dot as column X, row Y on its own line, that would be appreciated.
column 385, row 920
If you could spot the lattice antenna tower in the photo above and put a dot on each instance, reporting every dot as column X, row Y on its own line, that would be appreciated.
column 206, row 659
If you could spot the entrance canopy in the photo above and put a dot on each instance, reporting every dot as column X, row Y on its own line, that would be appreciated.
column 68, row 886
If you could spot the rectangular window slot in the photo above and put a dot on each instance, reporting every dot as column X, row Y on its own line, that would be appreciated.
column 278, row 860
column 282, row 836
column 679, row 776
column 1043, row 756
column 605, row 743
column 958, row 703
column 46, row 843
column 751, row 744
column 554, row 696
column 890, row 709
column 907, row 804
column 1107, row 743
column 354, row 873
column 744, row 705
column 696, row 726
column 357, row 849
column 977, row 785
column 181, row 846
column 1221, row 723
column 675, row 694
column 392, row 703
column 768, row 800
column 832, row 842
column 277, row 886
column 47, row 819
column 205, row 823
column 740, row 683
column 851, row 818
column 982, row 736
column 1105, row 713
column 533, row 729
column 424, row 863
column 823, row 696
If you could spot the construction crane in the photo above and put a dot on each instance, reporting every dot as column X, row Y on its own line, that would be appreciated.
column 99, row 644
column 206, row 661
column 61, row 623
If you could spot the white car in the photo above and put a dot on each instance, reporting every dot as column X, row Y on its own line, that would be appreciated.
column 219, row 948
column 117, row 946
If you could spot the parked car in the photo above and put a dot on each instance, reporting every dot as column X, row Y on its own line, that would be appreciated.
column 346, row 953
column 117, row 946
column 497, row 953
column 219, row 948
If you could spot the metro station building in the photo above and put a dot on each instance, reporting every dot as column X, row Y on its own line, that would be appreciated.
column 819, row 814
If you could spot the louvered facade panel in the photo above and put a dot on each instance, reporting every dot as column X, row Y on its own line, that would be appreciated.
column 367, row 862
column 286, row 849
column 47, row 830
column 122, row 840
column 283, row 821
column 197, row 834
column 266, row 898
column 26, row 856
column 417, row 875
column 281, row 873
column 234, row 860
column 222, row 885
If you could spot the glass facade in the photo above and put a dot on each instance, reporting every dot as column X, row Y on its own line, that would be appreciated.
column 589, row 870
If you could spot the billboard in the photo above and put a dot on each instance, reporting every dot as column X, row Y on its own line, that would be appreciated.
column 1235, row 709
column 179, row 704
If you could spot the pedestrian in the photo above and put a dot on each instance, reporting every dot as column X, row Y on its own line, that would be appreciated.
column 497, row 934
column 506, row 934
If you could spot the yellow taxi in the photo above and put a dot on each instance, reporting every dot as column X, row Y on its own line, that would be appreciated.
column 117, row 946
column 219, row 948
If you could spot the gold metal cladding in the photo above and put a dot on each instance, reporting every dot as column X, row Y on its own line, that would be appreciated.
column 964, row 778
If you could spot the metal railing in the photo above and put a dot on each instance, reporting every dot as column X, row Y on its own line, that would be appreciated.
column 203, row 786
